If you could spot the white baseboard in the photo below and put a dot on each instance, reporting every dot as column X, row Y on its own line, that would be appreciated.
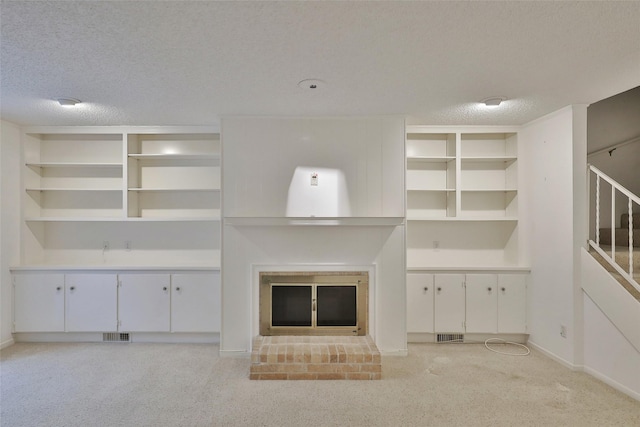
column 235, row 353
column 136, row 337
column 612, row 383
column 394, row 353
column 7, row 343
column 553, row 356
column 426, row 337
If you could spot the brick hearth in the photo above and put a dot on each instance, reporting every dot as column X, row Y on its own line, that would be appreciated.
column 315, row 358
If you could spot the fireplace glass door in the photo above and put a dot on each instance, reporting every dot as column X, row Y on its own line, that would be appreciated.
column 330, row 305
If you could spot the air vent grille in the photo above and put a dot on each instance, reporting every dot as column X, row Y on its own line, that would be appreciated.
column 115, row 337
column 443, row 338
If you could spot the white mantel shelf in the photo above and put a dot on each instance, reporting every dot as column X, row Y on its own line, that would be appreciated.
column 468, row 269
column 98, row 268
column 315, row 221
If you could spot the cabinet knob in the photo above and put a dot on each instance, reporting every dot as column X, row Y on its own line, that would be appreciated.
column 426, row 289
column 72, row 288
column 439, row 288
column 58, row 288
column 503, row 289
column 164, row 288
column 489, row 288
column 178, row 288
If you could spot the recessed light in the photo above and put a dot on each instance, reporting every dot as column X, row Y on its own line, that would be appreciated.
column 493, row 101
column 68, row 102
column 311, row 84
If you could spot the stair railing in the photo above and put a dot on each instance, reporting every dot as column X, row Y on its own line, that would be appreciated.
column 632, row 198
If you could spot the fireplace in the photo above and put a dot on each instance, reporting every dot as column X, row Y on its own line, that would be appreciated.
column 313, row 303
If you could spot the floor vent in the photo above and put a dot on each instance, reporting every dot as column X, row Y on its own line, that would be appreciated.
column 450, row 338
column 115, row 337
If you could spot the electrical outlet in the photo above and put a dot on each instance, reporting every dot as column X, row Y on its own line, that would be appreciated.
column 314, row 179
column 105, row 245
column 127, row 245
column 563, row 331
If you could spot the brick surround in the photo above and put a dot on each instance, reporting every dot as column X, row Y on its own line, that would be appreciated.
column 315, row 358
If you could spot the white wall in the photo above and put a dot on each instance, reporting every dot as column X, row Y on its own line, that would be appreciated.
column 611, row 334
column 268, row 161
column 9, row 222
column 553, row 216
column 264, row 159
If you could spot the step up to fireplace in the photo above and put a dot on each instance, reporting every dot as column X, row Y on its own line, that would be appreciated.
column 315, row 358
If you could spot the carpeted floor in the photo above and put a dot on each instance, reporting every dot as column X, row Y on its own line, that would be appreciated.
column 190, row 385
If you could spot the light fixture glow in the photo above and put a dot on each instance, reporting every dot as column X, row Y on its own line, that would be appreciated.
column 68, row 102
column 493, row 101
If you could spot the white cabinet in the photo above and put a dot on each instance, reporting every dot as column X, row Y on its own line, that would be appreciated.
column 144, row 301
column 186, row 302
column 472, row 303
column 482, row 303
column 420, row 293
column 91, row 302
column 39, row 303
column 195, row 302
column 449, row 303
column 512, row 302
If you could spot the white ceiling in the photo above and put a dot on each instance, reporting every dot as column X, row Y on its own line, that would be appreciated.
column 189, row 63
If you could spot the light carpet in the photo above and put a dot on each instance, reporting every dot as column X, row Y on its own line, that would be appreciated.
column 135, row 384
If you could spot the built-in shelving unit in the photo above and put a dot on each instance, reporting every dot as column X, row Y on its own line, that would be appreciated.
column 462, row 197
column 151, row 195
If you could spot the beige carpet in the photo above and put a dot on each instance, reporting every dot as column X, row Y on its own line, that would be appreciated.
column 190, row 385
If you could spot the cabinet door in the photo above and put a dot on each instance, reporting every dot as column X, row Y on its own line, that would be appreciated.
column 144, row 302
column 512, row 303
column 449, row 303
column 482, row 303
column 92, row 302
column 195, row 302
column 420, row 303
column 39, row 302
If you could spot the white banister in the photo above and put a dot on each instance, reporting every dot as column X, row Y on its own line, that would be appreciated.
column 616, row 189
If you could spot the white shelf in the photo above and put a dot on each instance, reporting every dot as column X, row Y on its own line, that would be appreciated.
column 314, row 221
column 469, row 269
column 482, row 159
column 73, row 165
column 157, row 188
column 73, row 189
column 462, row 199
column 100, row 267
column 449, row 190
column 431, row 159
column 122, row 219
column 203, row 156
column 462, row 219
column 489, row 190
column 174, row 189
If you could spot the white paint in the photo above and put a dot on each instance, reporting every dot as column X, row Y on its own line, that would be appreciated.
column 608, row 355
column 366, row 158
column 551, row 216
column 376, row 58
column 267, row 164
column 9, row 222
column 326, row 196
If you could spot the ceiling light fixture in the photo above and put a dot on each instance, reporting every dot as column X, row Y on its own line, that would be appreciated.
column 68, row 102
column 493, row 101
column 311, row 84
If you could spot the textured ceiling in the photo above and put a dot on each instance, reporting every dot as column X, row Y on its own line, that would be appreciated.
column 189, row 63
